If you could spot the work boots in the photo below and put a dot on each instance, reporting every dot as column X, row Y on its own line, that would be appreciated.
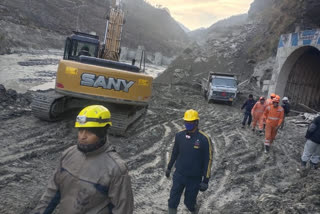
column 197, row 208
column 266, row 148
column 313, row 165
column 260, row 132
column 303, row 164
column 172, row 211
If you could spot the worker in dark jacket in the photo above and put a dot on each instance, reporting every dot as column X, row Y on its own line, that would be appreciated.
column 192, row 155
column 286, row 107
column 91, row 176
column 248, row 105
column 312, row 147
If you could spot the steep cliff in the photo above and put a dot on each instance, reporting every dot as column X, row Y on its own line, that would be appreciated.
column 44, row 24
column 276, row 17
column 236, row 44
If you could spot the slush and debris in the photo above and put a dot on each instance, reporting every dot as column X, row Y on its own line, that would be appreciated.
column 244, row 179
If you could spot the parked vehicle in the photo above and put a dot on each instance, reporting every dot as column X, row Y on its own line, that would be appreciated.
column 220, row 87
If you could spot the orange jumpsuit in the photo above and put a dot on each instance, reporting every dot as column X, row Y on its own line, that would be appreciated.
column 257, row 114
column 274, row 118
column 268, row 102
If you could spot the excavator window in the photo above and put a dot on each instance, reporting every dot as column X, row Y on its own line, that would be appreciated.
column 75, row 48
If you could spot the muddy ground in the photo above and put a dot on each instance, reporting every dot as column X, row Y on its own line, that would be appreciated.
column 244, row 179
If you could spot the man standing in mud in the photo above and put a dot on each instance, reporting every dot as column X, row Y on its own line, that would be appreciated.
column 311, row 150
column 91, row 177
column 192, row 153
column 248, row 105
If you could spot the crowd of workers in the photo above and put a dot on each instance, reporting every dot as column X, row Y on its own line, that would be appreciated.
column 267, row 114
column 270, row 117
column 92, row 178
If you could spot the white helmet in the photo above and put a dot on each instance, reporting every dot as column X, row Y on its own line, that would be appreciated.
column 285, row 99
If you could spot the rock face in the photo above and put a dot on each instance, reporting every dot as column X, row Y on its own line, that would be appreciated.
column 223, row 48
column 276, row 17
column 44, row 24
column 237, row 44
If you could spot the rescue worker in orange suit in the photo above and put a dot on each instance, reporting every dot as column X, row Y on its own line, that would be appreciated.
column 273, row 116
column 257, row 114
column 268, row 103
column 91, row 177
column 269, row 100
column 192, row 156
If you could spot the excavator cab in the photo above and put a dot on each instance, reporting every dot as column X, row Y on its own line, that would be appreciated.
column 81, row 44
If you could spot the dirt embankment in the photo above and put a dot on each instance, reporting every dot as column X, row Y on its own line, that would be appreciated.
column 244, row 179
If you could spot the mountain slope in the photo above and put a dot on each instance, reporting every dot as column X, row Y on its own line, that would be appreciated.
column 44, row 24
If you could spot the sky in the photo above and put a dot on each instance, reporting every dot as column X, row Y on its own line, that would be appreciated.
column 203, row 13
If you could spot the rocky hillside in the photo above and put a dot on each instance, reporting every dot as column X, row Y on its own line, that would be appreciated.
column 276, row 17
column 201, row 35
column 237, row 44
column 44, row 24
column 221, row 48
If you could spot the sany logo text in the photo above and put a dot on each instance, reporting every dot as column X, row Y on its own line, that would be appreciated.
column 91, row 80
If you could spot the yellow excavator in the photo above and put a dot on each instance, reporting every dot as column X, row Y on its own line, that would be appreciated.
column 90, row 73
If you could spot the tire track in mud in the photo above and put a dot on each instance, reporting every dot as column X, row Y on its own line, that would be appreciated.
column 244, row 179
column 31, row 149
column 156, row 189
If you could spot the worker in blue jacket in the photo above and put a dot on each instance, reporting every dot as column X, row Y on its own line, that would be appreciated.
column 248, row 105
column 192, row 155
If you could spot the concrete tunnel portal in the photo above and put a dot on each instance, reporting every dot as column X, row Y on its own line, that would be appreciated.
column 297, row 71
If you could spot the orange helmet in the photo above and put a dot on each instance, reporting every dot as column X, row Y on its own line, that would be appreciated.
column 261, row 98
column 275, row 100
column 273, row 95
column 278, row 97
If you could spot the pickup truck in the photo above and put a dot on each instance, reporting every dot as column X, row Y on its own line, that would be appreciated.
column 220, row 87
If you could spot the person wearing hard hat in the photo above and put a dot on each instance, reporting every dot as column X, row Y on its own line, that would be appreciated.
column 269, row 100
column 91, row 176
column 248, row 105
column 192, row 156
column 286, row 107
column 311, row 150
column 269, row 103
column 273, row 116
column 257, row 114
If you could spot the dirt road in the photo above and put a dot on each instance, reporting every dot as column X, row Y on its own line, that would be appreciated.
column 244, row 179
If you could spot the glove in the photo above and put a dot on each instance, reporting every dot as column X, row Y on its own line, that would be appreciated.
column 203, row 186
column 168, row 171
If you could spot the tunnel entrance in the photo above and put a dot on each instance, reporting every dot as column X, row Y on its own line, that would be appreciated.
column 303, row 85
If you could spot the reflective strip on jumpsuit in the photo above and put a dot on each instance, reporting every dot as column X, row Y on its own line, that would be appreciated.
column 274, row 117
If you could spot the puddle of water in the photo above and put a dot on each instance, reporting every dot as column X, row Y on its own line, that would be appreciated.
column 44, row 86
column 26, row 71
column 11, row 72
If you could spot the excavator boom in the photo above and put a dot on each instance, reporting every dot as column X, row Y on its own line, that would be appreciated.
column 114, row 25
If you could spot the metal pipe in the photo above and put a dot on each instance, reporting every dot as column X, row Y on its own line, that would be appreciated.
column 144, row 61
column 105, row 34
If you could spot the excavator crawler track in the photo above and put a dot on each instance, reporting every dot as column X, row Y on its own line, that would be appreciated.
column 50, row 106
column 121, row 121
column 43, row 105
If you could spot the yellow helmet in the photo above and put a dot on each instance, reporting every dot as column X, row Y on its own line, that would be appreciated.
column 93, row 117
column 191, row 115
